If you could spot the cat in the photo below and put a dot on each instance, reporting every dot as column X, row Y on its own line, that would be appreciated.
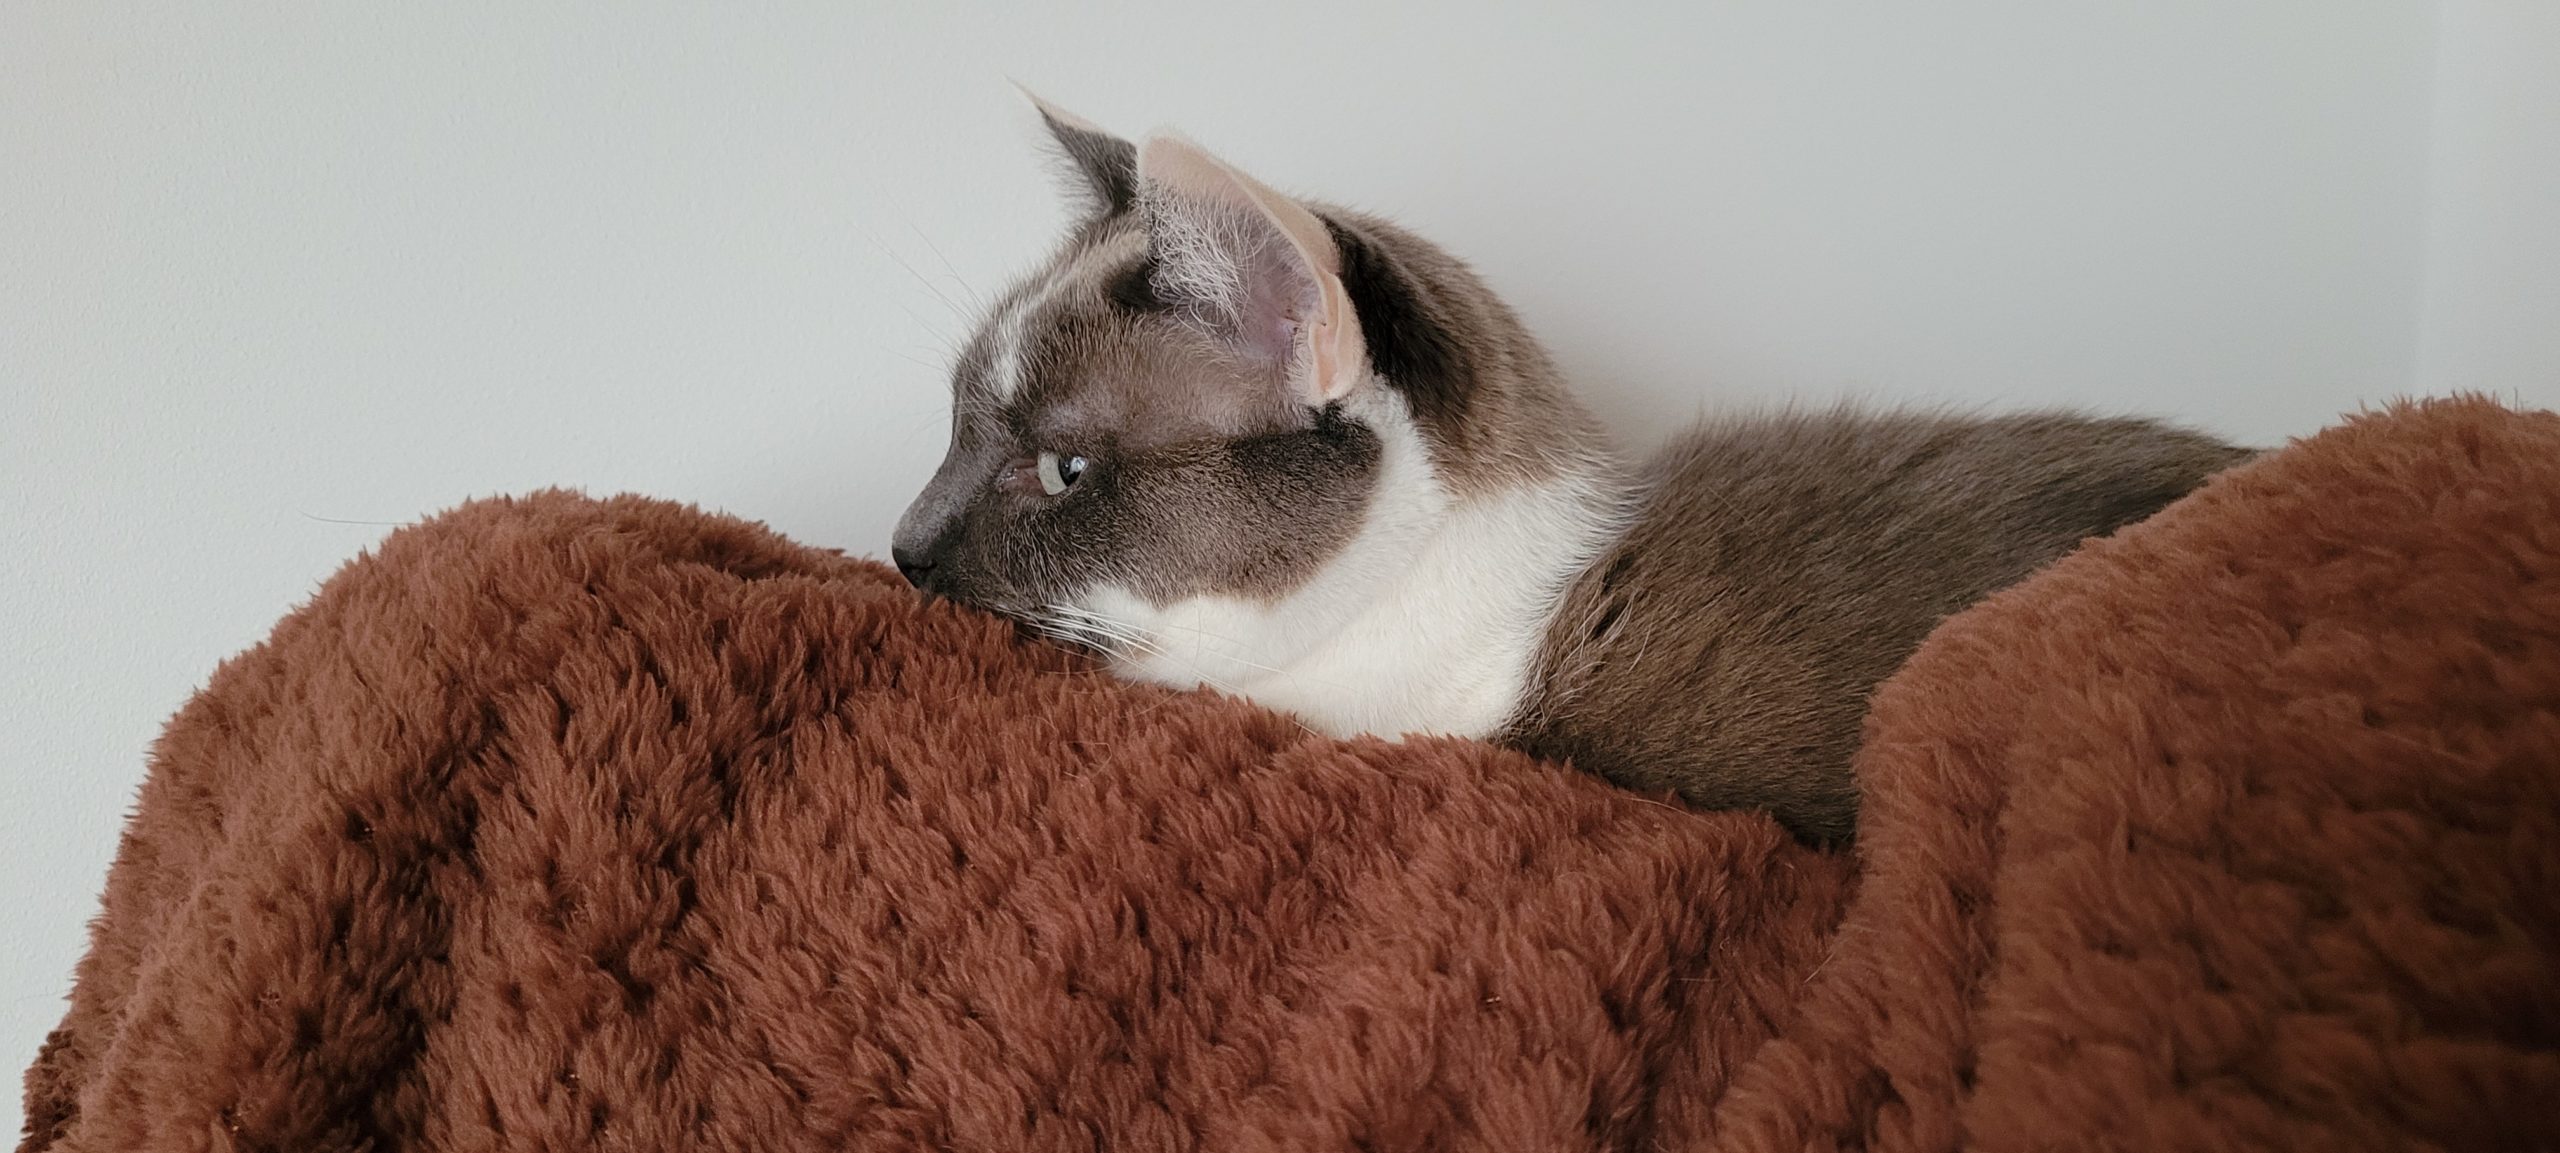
column 1226, row 437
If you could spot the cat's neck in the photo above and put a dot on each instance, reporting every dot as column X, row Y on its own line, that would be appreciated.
column 1430, row 621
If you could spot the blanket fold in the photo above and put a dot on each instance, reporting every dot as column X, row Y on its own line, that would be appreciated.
column 560, row 823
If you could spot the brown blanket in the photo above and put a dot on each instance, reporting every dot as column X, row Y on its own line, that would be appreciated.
column 569, row 824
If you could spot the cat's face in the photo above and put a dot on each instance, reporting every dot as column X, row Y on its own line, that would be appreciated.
column 1292, row 452
column 1178, row 406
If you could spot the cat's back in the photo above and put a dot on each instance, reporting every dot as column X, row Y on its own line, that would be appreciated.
column 1778, row 567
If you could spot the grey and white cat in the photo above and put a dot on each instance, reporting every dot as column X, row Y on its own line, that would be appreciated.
column 1232, row 438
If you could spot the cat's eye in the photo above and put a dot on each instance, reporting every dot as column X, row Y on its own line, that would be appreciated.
column 1058, row 472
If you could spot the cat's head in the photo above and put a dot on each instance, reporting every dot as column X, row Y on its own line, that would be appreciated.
column 1215, row 392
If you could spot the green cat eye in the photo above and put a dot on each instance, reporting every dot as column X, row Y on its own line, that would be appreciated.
column 1057, row 472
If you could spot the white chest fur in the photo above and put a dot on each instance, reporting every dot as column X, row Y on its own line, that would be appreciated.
column 1429, row 621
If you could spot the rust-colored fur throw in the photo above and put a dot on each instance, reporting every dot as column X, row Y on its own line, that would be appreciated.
column 562, row 824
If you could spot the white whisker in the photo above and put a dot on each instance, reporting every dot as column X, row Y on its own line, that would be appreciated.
column 1090, row 626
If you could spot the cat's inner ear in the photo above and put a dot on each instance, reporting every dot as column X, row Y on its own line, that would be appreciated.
column 1106, row 166
column 1257, row 268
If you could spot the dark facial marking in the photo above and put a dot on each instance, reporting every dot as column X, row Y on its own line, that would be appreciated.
column 1252, row 517
column 1133, row 288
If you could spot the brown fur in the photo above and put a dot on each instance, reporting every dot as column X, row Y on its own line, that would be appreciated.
column 1780, row 567
column 562, row 824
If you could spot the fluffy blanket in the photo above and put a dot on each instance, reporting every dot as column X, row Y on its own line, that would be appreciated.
column 562, row 824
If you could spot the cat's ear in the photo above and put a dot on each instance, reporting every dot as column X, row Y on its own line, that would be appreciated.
column 1106, row 166
column 1256, row 267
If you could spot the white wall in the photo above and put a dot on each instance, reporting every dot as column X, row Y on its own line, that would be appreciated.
column 272, row 280
column 2490, row 309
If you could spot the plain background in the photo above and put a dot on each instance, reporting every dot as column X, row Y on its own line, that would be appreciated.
column 276, row 280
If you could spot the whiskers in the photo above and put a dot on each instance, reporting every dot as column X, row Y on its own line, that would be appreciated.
column 1115, row 638
column 1093, row 631
column 1084, row 629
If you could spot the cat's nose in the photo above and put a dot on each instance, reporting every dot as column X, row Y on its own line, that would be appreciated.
column 911, row 566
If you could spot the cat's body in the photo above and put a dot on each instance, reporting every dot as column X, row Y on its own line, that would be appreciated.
column 1779, row 567
column 1293, row 452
